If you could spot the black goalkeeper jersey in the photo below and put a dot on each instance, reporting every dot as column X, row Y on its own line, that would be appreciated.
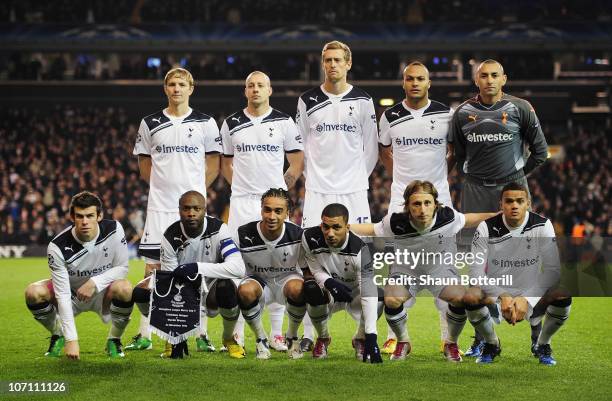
column 490, row 140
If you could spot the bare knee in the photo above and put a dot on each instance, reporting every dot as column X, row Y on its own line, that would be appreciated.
column 294, row 290
column 36, row 293
column 395, row 302
column 249, row 292
column 121, row 290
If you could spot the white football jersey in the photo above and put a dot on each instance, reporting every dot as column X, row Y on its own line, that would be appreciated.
column 213, row 249
column 528, row 253
column 258, row 146
column 271, row 259
column 72, row 262
column 351, row 264
column 177, row 147
column 340, row 139
column 437, row 239
column 419, row 140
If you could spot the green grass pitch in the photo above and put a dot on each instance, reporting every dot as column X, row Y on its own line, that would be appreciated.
column 582, row 349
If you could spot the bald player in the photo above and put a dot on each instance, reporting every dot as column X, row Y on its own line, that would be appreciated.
column 256, row 140
column 490, row 133
column 414, row 146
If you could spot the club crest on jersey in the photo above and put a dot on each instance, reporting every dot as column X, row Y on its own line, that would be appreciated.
column 207, row 246
column 504, row 118
column 271, row 133
column 285, row 254
column 433, row 122
column 528, row 242
column 105, row 250
column 351, row 108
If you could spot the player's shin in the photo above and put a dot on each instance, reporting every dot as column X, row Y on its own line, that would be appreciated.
column 46, row 314
column 252, row 315
column 396, row 319
column 227, row 301
column 481, row 319
column 295, row 314
column 556, row 315
column 276, row 312
column 455, row 319
column 120, row 312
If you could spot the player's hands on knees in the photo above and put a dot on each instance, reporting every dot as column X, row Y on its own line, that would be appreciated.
column 521, row 306
column 507, row 309
column 86, row 291
column 371, row 349
column 71, row 350
column 188, row 269
column 339, row 291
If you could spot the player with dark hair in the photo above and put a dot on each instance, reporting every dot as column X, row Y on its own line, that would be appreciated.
column 489, row 133
column 178, row 150
column 272, row 252
column 89, row 263
column 343, row 280
column 520, row 244
column 425, row 227
column 198, row 243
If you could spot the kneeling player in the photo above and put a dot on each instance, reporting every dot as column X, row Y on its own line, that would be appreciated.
column 520, row 270
column 425, row 228
column 343, row 280
column 89, row 263
column 202, row 244
column 271, row 249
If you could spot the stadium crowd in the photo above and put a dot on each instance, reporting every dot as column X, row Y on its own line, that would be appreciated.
column 48, row 156
column 258, row 11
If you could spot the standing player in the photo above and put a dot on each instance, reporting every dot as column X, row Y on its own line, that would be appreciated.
column 89, row 263
column 255, row 142
column 338, row 124
column 424, row 228
column 178, row 150
column 202, row 244
column 272, row 252
column 489, row 133
column 521, row 244
column 413, row 138
column 343, row 280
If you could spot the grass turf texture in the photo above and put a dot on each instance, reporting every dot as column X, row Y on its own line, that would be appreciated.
column 582, row 349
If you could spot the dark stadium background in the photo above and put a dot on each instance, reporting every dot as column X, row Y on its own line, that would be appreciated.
column 76, row 77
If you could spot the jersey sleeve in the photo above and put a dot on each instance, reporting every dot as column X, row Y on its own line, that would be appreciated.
column 534, row 137
column 383, row 228
column 143, row 140
column 230, row 263
column 480, row 250
column 293, row 140
column 369, row 291
column 369, row 130
column 301, row 121
column 63, row 295
column 226, row 139
column 120, row 261
column 459, row 222
column 385, row 131
column 319, row 273
column 550, row 273
column 455, row 137
column 167, row 255
column 212, row 138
